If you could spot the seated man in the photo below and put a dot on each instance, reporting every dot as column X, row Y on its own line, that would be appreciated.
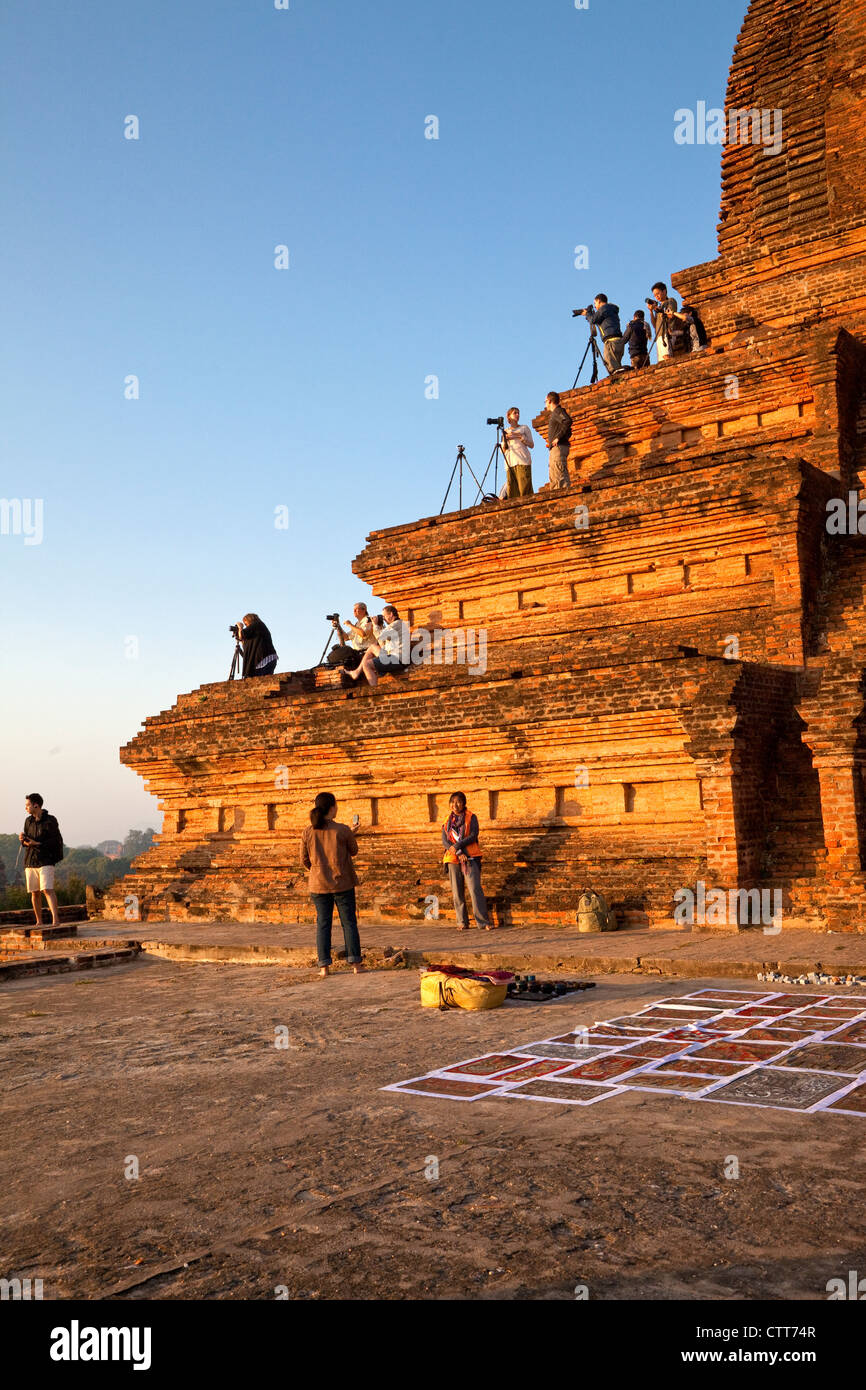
column 352, row 647
column 392, row 651
column 695, row 333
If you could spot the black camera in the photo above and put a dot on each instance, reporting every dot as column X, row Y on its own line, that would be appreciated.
column 332, row 617
column 499, row 420
column 235, row 631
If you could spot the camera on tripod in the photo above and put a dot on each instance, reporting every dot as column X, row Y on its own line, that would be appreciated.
column 581, row 313
column 497, row 420
column 332, row 617
column 235, row 631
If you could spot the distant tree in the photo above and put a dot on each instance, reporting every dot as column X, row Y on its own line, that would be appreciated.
column 136, row 842
column 12, row 854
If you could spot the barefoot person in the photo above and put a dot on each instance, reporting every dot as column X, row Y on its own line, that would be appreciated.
column 463, row 857
column 43, row 848
column 327, row 851
column 391, row 652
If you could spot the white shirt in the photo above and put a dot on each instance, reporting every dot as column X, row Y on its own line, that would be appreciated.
column 394, row 642
column 518, row 449
column 361, row 643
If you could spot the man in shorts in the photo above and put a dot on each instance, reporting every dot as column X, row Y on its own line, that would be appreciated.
column 43, row 848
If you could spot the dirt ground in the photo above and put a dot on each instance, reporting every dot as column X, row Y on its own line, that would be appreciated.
column 266, row 1169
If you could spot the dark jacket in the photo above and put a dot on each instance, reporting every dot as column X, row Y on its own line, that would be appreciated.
column 49, row 847
column 637, row 335
column 558, row 427
column 606, row 320
column 260, row 659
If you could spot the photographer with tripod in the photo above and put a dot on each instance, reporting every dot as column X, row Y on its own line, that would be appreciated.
column 354, row 641
column 254, row 645
column 605, row 317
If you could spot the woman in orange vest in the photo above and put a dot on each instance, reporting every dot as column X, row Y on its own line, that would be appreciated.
column 463, row 857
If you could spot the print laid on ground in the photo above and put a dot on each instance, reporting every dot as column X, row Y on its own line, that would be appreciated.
column 789, row 1052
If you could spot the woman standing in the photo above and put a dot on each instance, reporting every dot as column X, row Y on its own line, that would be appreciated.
column 463, row 857
column 327, row 851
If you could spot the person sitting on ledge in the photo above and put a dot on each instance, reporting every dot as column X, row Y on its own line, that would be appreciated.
column 352, row 647
column 390, row 653
column 696, row 336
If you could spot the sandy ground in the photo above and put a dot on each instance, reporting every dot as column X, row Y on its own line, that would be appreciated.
column 265, row 1167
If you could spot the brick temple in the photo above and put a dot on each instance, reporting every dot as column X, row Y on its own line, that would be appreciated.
column 676, row 645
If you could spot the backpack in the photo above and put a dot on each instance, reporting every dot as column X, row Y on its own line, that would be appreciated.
column 57, row 846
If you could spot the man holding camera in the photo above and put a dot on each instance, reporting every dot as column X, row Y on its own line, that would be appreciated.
column 669, row 330
column 558, row 440
column 518, row 461
column 605, row 317
column 43, row 848
column 390, row 652
column 260, row 659
column 354, row 641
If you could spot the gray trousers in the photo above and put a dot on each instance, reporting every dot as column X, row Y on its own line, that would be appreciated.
column 472, row 881
column 559, row 466
column 613, row 350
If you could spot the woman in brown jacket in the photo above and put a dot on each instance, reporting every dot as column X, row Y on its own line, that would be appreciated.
column 327, row 851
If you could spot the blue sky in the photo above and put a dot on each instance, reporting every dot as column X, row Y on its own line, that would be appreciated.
column 305, row 387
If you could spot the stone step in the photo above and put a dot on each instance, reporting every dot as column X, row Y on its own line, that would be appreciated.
column 23, row 916
column 56, row 963
column 28, row 938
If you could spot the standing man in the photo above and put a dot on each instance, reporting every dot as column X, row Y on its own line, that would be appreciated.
column 518, row 460
column 463, row 857
column 43, row 848
column 605, row 317
column 558, row 440
column 670, row 335
column 637, row 336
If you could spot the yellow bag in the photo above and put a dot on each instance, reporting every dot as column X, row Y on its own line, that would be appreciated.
column 441, row 991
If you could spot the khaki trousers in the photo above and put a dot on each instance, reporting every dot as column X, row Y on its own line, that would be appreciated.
column 559, row 466
column 519, row 479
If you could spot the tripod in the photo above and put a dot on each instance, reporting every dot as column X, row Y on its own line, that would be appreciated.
column 498, row 448
column 596, row 354
column 459, row 462
column 236, row 661
column 331, row 636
